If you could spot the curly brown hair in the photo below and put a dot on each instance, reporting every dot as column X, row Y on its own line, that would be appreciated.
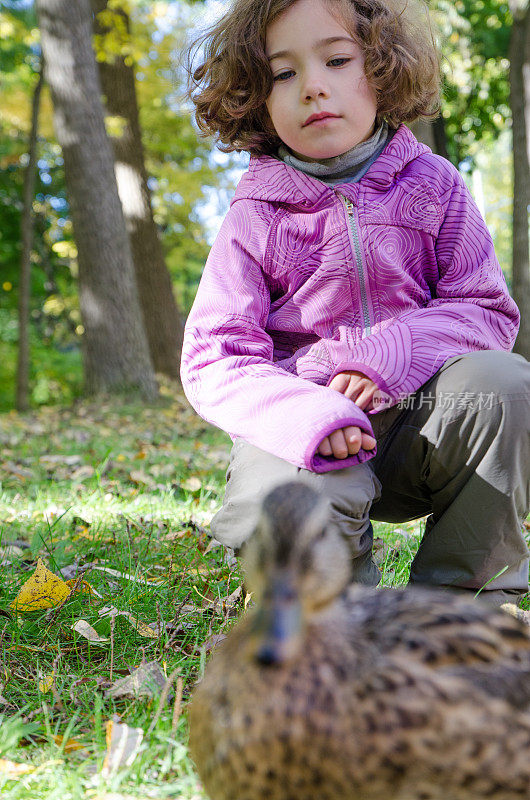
column 232, row 83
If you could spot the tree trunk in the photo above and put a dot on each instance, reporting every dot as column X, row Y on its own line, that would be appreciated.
column 520, row 104
column 162, row 321
column 26, row 229
column 432, row 134
column 115, row 349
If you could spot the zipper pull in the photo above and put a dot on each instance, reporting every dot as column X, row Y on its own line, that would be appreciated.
column 348, row 205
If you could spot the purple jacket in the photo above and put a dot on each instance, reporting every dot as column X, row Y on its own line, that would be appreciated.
column 390, row 276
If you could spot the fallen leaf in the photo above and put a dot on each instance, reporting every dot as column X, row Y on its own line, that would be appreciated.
column 69, row 461
column 77, row 585
column 135, row 579
column 82, row 473
column 42, row 590
column 142, row 628
column 137, row 476
column 123, row 745
column 146, row 681
column 192, row 484
column 17, row 471
column 12, row 770
column 46, row 682
column 84, row 629
column 213, row 641
column 3, row 701
column 70, row 746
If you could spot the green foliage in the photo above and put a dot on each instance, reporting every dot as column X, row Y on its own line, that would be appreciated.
column 475, row 35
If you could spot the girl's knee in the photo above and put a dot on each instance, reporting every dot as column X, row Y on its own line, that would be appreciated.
column 494, row 373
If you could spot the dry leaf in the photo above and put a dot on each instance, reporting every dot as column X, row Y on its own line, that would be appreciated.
column 10, row 769
column 69, row 461
column 3, row 701
column 117, row 574
column 192, row 484
column 77, row 585
column 42, row 590
column 147, row 631
column 46, row 682
column 82, row 473
column 137, row 476
column 213, row 641
column 146, row 681
column 123, row 745
column 84, row 629
column 70, row 746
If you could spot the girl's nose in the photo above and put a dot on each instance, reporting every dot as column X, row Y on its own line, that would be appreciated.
column 314, row 86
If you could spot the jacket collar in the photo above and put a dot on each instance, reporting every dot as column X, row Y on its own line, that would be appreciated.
column 275, row 182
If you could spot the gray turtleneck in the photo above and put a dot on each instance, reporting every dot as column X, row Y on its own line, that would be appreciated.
column 348, row 167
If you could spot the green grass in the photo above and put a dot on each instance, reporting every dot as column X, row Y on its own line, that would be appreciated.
column 131, row 488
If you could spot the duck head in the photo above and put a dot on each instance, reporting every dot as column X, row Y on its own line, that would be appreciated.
column 296, row 564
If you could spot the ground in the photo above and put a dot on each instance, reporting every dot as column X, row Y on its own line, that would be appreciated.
column 116, row 497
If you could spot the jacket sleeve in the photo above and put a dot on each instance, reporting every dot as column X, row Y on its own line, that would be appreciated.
column 227, row 370
column 471, row 310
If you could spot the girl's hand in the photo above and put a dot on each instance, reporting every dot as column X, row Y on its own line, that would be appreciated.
column 346, row 442
column 357, row 387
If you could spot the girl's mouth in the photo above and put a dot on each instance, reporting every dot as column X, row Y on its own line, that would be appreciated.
column 323, row 116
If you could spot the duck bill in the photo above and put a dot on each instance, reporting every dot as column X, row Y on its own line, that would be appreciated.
column 278, row 624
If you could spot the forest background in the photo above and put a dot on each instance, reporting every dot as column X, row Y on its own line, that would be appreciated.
column 115, row 81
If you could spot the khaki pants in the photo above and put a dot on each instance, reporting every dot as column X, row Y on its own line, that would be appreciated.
column 457, row 450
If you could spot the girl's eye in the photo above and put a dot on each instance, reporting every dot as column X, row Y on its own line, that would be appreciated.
column 283, row 76
column 338, row 62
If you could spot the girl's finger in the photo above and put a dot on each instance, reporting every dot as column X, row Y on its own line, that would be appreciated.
column 340, row 382
column 352, row 436
column 338, row 444
column 324, row 447
column 367, row 442
column 364, row 399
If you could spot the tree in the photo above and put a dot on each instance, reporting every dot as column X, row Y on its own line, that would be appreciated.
column 26, row 226
column 162, row 321
column 520, row 103
column 115, row 348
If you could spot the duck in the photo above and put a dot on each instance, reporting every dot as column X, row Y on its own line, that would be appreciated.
column 327, row 690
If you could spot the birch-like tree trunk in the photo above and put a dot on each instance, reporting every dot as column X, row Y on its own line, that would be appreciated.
column 26, row 229
column 162, row 321
column 520, row 105
column 115, row 350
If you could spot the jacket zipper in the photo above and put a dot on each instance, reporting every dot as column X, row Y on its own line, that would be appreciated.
column 355, row 241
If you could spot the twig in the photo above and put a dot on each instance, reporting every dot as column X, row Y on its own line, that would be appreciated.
column 177, row 706
column 56, row 696
column 163, row 700
column 112, row 621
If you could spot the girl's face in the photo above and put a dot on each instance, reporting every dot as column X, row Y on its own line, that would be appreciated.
column 321, row 104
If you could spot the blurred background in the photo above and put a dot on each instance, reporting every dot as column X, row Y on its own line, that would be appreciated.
column 109, row 198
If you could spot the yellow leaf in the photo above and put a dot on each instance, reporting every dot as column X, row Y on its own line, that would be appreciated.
column 141, row 627
column 42, row 590
column 71, row 744
column 82, row 586
column 46, row 683
column 12, row 770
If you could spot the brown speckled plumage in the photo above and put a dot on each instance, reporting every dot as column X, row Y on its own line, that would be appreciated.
column 369, row 694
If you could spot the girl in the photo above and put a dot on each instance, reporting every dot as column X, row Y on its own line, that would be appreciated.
column 352, row 322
